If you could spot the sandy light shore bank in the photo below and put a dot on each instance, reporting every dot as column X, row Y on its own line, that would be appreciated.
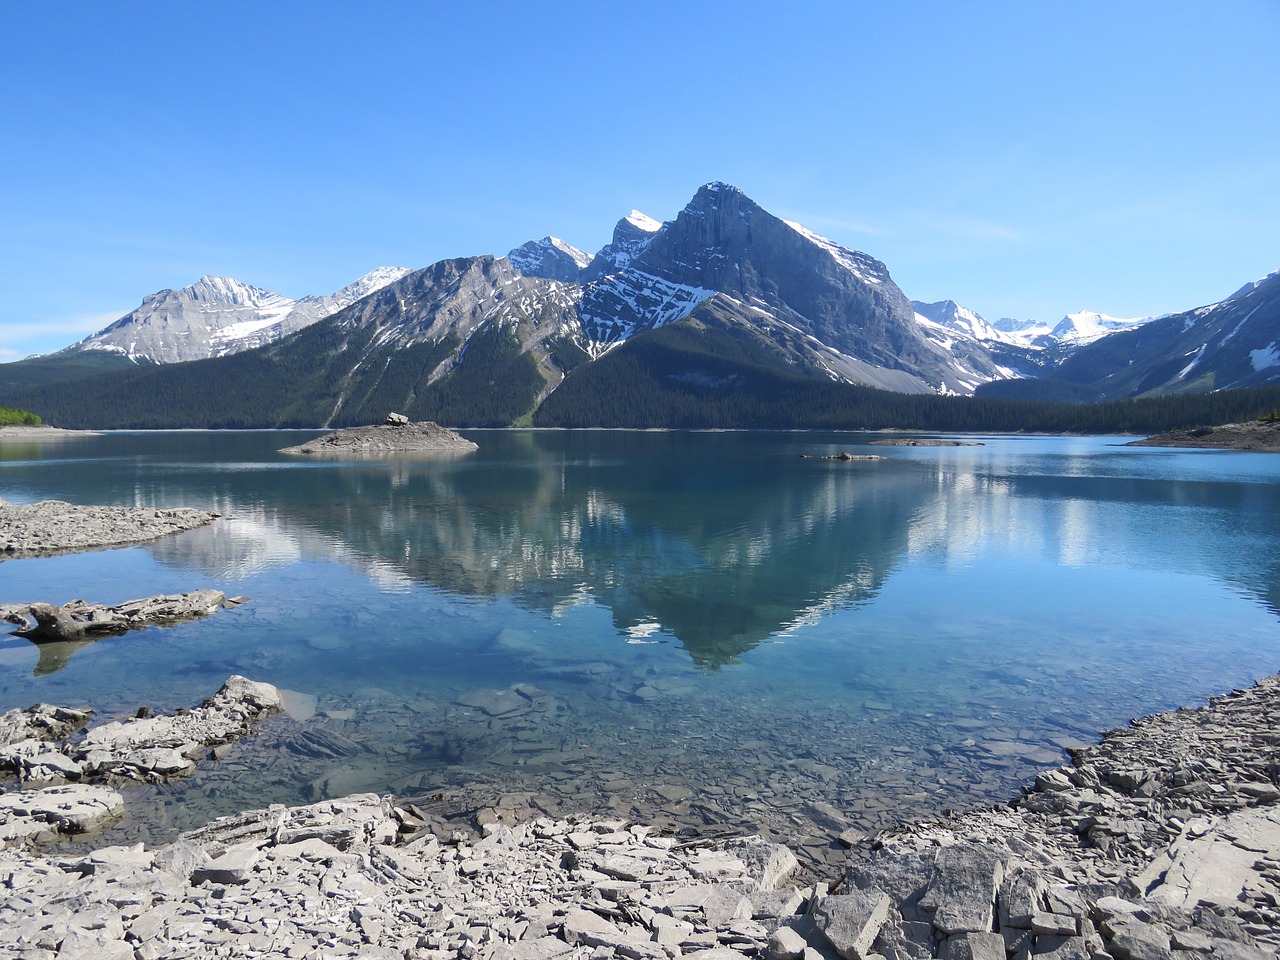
column 41, row 433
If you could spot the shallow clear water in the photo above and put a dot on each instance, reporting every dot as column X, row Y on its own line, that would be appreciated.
column 710, row 627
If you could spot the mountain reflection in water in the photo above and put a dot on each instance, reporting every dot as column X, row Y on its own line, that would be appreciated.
column 719, row 557
column 707, row 628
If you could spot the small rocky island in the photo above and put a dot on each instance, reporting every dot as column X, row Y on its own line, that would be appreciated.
column 1262, row 436
column 396, row 435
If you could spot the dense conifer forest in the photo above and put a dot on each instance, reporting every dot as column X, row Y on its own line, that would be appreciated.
column 680, row 376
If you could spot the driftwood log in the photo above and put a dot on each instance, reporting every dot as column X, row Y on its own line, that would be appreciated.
column 78, row 620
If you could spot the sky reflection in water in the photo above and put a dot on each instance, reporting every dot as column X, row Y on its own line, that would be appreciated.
column 943, row 620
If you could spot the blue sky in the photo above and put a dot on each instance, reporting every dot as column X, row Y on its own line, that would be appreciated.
column 1024, row 159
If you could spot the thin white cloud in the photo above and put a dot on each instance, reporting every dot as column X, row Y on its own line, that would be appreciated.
column 971, row 229
column 79, row 325
column 818, row 221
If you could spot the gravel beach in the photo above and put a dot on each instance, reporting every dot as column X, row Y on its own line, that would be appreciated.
column 52, row 526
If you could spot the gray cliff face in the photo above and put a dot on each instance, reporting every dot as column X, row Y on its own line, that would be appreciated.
column 450, row 302
column 457, row 297
column 723, row 242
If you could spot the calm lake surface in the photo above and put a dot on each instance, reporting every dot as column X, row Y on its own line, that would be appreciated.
column 700, row 628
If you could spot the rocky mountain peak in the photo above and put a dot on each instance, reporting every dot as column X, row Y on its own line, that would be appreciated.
column 1086, row 326
column 551, row 258
column 1271, row 278
column 631, row 235
column 640, row 221
column 216, row 316
column 227, row 290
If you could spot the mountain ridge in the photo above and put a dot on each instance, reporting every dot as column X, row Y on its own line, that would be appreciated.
column 216, row 316
column 723, row 294
column 1231, row 344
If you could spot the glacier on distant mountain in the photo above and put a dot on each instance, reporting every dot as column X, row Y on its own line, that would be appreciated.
column 1086, row 326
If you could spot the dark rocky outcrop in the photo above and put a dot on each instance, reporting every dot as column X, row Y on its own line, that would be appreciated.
column 1258, row 435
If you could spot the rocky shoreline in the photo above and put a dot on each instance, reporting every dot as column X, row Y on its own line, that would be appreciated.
column 1262, row 436
column 51, row 527
column 1160, row 842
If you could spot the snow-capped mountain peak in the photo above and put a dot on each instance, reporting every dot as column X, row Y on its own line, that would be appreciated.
column 1086, row 326
column 227, row 290
column 216, row 316
column 371, row 282
column 643, row 222
column 550, row 258
column 631, row 236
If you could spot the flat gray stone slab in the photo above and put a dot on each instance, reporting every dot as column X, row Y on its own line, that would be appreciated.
column 962, row 896
column 851, row 922
column 974, row 946
column 1216, row 866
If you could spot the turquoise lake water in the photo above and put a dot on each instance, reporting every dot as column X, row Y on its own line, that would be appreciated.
column 707, row 627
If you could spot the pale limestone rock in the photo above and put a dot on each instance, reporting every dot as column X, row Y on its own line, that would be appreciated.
column 851, row 922
column 786, row 944
column 973, row 946
column 1216, row 866
column 962, row 895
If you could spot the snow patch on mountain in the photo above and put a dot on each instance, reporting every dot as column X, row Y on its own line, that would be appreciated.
column 611, row 312
column 865, row 268
column 1267, row 357
column 1029, row 329
column 371, row 282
